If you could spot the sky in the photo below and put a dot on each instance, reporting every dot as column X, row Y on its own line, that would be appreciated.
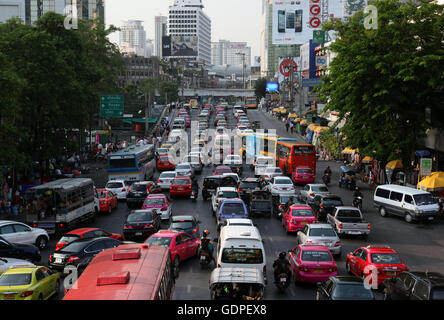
column 233, row 20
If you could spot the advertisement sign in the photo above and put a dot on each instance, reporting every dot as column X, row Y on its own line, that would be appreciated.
column 166, row 46
column 321, row 61
column 319, row 36
column 425, row 168
column 284, row 71
column 293, row 22
column 350, row 7
column 183, row 46
column 272, row 87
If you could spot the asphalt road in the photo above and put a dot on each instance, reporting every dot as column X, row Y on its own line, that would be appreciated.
column 420, row 245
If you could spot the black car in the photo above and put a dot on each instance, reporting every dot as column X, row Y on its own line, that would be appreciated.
column 187, row 224
column 415, row 286
column 247, row 185
column 235, row 167
column 140, row 224
column 281, row 200
column 211, row 183
column 19, row 251
column 139, row 191
column 344, row 288
column 79, row 251
column 324, row 205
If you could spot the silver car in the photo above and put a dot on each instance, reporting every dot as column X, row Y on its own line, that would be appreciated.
column 261, row 163
column 271, row 172
column 7, row 263
column 165, row 179
column 320, row 233
column 311, row 190
column 184, row 170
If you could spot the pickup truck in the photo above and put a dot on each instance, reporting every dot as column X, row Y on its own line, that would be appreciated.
column 348, row 220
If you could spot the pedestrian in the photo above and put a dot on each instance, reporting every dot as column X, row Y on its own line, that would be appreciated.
column 287, row 125
column 291, row 127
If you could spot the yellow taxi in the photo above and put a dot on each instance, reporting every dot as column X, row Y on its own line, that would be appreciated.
column 29, row 283
column 203, row 123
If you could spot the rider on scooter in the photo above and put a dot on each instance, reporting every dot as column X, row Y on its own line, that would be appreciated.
column 280, row 266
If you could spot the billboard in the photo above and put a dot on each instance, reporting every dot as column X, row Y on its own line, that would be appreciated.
column 293, row 22
column 183, row 46
column 166, row 46
column 272, row 87
column 284, row 71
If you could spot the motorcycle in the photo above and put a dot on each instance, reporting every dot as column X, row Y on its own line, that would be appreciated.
column 204, row 259
column 326, row 178
column 282, row 283
column 193, row 195
column 357, row 202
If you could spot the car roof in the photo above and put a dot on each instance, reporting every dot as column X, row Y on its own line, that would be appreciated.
column 157, row 195
column 313, row 247
column 167, row 172
column 319, row 225
column 347, row 279
column 316, row 184
column 122, row 181
column 81, row 231
column 166, row 233
column 379, row 249
column 226, row 189
column 331, row 195
column 5, row 222
column 178, row 218
column 347, row 208
column 396, row 187
column 300, row 206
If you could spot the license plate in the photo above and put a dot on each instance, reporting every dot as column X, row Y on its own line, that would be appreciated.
column 58, row 260
column 390, row 273
column 138, row 233
column 180, row 189
column 202, row 258
column 283, row 280
column 318, row 271
column 430, row 218
column 303, row 223
column 355, row 232
column 9, row 296
column 284, row 188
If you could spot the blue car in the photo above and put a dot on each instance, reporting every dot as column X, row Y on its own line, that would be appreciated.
column 19, row 251
column 230, row 209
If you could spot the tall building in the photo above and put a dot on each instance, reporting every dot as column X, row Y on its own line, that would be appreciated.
column 230, row 53
column 31, row 10
column 160, row 30
column 133, row 38
column 190, row 28
column 149, row 48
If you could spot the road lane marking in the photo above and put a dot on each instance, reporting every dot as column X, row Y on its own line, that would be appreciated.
column 188, row 288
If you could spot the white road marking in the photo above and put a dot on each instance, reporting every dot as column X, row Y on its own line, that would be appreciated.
column 188, row 288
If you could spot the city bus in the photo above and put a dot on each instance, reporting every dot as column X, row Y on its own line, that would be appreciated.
column 251, row 102
column 59, row 205
column 134, row 163
column 127, row 272
column 292, row 154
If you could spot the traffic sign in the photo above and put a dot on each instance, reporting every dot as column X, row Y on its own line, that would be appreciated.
column 422, row 153
column 425, row 168
column 111, row 105
column 311, row 82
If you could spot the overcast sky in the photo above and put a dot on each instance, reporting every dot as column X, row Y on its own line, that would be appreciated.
column 234, row 20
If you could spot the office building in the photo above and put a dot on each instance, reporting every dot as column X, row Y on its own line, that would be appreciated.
column 230, row 53
column 133, row 38
column 160, row 30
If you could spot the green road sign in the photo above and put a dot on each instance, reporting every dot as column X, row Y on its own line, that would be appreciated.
column 111, row 105
column 318, row 36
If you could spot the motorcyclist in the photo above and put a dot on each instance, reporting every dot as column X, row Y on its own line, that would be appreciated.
column 195, row 186
column 327, row 171
column 281, row 265
column 289, row 203
column 357, row 193
column 206, row 245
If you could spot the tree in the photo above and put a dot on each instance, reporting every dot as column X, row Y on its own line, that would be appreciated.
column 260, row 88
column 170, row 89
column 382, row 80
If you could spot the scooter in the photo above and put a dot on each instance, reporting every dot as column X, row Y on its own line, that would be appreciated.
column 204, row 259
column 193, row 195
column 282, row 283
column 326, row 178
column 357, row 202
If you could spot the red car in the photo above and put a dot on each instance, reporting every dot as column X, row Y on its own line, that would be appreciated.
column 380, row 261
column 73, row 235
column 164, row 164
column 312, row 263
column 182, row 245
column 180, row 186
column 297, row 216
column 220, row 170
column 303, row 175
column 107, row 200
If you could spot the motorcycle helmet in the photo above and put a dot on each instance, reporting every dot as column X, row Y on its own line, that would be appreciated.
column 206, row 233
column 282, row 255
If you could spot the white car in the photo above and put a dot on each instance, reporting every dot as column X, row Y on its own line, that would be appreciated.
column 311, row 190
column 184, row 170
column 234, row 175
column 221, row 194
column 237, row 159
column 165, row 179
column 7, row 263
column 117, row 187
column 261, row 163
column 239, row 222
column 280, row 185
column 271, row 172
column 18, row 232
column 320, row 233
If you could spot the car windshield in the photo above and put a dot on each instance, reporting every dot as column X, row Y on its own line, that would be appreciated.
column 352, row 292
column 437, row 294
column 228, row 194
column 322, row 232
column 182, row 225
column 319, row 188
column 385, row 258
column 282, row 181
column 150, row 201
column 333, row 202
column 16, row 279
column 139, row 187
column 264, row 161
column 316, row 256
column 68, row 238
column 74, row 247
column 301, row 171
column 183, row 167
column 181, row 181
column 229, row 208
column 113, row 185
column 168, row 175
column 301, row 213
column 101, row 195
column 140, row 216
column 242, row 256
column 424, row 199
column 249, row 185
column 159, row 241
column 222, row 170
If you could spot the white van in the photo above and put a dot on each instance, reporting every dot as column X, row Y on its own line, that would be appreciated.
column 409, row 203
column 241, row 246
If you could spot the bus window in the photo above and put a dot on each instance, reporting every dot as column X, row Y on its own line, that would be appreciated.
column 121, row 163
column 303, row 150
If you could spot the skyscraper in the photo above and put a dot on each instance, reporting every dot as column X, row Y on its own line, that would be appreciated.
column 160, row 30
column 230, row 53
column 190, row 30
column 133, row 37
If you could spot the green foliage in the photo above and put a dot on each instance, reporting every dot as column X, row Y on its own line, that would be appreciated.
column 382, row 80
column 171, row 89
column 260, row 88
column 330, row 141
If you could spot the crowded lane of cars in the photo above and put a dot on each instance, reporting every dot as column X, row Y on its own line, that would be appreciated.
column 163, row 214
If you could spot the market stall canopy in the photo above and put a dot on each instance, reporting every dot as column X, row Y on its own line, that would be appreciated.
column 431, row 183
column 348, row 150
column 309, row 111
column 395, row 164
column 304, row 122
column 367, row 159
column 293, row 115
column 311, row 126
column 438, row 173
column 319, row 129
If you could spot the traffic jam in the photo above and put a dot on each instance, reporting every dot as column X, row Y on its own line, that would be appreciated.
column 236, row 212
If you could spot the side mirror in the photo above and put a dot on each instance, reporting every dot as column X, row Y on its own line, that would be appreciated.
column 198, row 221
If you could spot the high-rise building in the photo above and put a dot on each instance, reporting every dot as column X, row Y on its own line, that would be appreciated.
column 149, row 48
column 230, row 53
column 190, row 30
column 133, row 38
column 160, row 30
column 31, row 10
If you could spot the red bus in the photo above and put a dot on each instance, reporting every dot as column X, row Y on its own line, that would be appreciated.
column 292, row 154
column 127, row 272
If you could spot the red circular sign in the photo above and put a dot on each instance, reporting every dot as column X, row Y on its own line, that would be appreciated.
column 315, row 9
column 284, row 67
column 314, row 1
column 315, row 22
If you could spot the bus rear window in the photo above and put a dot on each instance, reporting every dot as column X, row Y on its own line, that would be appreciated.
column 242, row 256
column 303, row 149
column 122, row 163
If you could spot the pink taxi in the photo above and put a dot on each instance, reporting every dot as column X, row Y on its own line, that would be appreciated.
column 297, row 216
column 303, row 175
column 159, row 202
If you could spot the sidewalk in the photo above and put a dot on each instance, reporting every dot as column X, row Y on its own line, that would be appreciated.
column 279, row 122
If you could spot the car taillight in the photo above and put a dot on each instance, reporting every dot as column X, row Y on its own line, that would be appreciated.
column 281, row 206
column 127, row 227
column 267, row 176
column 50, row 256
column 26, row 293
column 159, row 181
column 340, row 226
column 218, row 265
column 34, row 225
column 148, row 226
column 338, row 243
column 73, row 258
column 321, row 206
column 194, row 231
column 368, row 227
column 123, row 189
column 312, row 194
column 332, row 269
column 164, row 208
